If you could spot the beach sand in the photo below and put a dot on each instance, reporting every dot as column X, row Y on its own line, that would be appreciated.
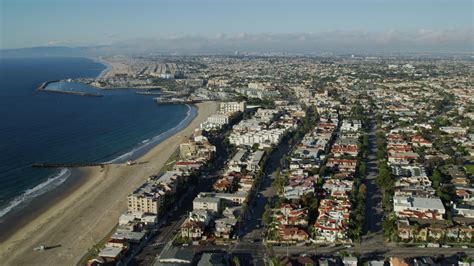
column 114, row 67
column 87, row 214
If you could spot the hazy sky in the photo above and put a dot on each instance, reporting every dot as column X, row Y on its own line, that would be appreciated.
column 26, row 23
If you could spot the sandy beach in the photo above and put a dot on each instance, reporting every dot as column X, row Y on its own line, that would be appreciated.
column 84, row 216
column 113, row 67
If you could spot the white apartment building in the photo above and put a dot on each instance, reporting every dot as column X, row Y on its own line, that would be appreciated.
column 231, row 107
column 220, row 119
column 141, row 201
column 266, row 136
column 419, row 207
column 215, row 121
column 351, row 126
column 207, row 203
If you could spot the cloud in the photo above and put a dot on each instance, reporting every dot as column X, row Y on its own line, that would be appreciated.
column 422, row 40
column 55, row 43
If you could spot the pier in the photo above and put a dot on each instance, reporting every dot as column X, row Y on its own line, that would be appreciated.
column 65, row 165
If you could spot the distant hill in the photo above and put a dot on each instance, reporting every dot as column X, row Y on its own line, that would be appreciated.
column 43, row 51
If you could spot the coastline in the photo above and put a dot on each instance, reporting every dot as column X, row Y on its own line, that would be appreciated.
column 24, row 211
column 81, row 217
column 112, row 67
column 16, row 219
column 20, row 202
column 107, row 64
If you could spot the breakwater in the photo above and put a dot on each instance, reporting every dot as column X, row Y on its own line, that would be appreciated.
column 65, row 165
column 44, row 85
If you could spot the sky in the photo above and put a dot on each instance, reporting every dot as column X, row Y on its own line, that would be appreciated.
column 397, row 24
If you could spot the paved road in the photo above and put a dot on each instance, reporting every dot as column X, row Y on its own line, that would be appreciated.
column 372, row 231
column 371, row 251
column 250, row 248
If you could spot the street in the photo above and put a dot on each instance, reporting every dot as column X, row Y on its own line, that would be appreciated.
column 372, row 230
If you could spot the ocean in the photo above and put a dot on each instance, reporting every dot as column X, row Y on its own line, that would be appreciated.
column 60, row 128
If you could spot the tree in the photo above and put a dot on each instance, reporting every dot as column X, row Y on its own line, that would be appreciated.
column 436, row 178
column 267, row 219
column 432, row 163
column 235, row 261
column 362, row 169
column 362, row 190
column 255, row 146
column 389, row 226
column 324, row 171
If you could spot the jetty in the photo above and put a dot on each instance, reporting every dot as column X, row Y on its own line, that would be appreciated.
column 43, row 87
column 65, row 165
column 176, row 101
column 148, row 93
column 45, row 84
column 80, row 93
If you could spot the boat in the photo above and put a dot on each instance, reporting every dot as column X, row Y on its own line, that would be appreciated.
column 40, row 248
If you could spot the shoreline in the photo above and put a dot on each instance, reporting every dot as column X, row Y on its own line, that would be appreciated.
column 15, row 209
column 25, row 211
column 112, row 67
column 108, row 66
column 86, row 212
column 16, row 219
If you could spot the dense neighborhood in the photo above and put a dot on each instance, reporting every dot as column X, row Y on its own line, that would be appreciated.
column 322, row 161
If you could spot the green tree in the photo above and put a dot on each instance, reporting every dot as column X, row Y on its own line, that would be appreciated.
column 235, row 261
column 362, row 190
column 267, row 219
column 436, row 178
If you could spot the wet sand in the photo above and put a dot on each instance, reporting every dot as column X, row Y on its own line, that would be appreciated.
column 86, row 214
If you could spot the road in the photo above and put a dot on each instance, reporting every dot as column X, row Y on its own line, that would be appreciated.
column 372, row 231
column 371, row 251
column 250, row 248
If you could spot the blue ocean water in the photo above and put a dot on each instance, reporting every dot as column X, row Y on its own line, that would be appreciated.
column 60, row 128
